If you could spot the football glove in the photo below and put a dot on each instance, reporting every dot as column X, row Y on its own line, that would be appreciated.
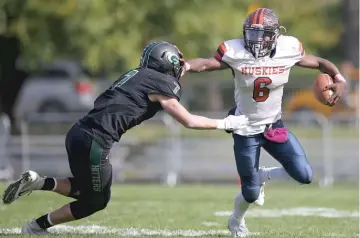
column 232, row 123
column 231, row 112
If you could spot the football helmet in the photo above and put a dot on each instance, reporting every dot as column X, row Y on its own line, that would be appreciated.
column 261, row 30
column 163, row 57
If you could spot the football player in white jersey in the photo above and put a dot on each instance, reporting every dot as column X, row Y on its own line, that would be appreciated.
column 261, row 64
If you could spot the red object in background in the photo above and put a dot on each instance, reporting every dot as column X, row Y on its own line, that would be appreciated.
column 83, row 87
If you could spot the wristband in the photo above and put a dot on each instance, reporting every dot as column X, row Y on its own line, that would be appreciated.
column 220, row 124
column 339, row 78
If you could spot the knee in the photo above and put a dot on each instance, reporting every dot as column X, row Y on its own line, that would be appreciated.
column 90, row 204
column 306, row 174
column 250, row 193
column 98, row 202
column 96, row 205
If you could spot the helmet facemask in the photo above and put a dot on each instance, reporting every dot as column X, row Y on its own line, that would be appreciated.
column 260, row 41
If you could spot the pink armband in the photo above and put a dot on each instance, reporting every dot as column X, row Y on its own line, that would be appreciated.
column 339, row 78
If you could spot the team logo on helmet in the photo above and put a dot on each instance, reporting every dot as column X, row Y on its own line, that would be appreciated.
column 173, row 58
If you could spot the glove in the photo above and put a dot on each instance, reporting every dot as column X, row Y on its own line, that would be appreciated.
column 231, row 112
column 232, row 123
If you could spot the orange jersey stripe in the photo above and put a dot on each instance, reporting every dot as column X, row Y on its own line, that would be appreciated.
column 218, row 56
column 223, row 49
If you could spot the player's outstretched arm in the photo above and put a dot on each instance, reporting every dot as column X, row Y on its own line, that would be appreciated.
column 183, row 116
column 325, row 66
column 202, row 64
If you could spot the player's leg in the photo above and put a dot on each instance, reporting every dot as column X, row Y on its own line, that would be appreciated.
column 247, row 153
column 30, row 181
column 92, row 177
column 88, row 203
column 261, row 199
column 292, row 157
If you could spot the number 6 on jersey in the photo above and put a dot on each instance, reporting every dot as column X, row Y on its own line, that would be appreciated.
column 261, row 92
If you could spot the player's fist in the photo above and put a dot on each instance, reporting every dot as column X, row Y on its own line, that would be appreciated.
column 182, row 62
column 231, row 112
column 338, row 89
column 181, row 55
column 231, row 123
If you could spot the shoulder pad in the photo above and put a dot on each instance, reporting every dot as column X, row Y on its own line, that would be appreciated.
column 289, row 47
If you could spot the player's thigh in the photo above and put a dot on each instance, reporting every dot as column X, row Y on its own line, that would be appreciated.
column 88, row 162
column 247, row 154
column 292, row 157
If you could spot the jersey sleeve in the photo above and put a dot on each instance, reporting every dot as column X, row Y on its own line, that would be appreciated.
column 220, row 52
column 167, row 87
column 296, row 49
column 230, row 52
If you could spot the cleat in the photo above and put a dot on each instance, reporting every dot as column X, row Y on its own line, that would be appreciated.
column 28, row 182
column 32, row 228
column 237, row 228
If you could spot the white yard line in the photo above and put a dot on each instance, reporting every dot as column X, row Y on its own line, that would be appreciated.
column 210, row 223
column 336, row 235
column 128, row 232
column 124, row 232
column 297, row 211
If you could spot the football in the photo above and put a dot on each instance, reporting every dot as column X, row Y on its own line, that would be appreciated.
column 321, row 81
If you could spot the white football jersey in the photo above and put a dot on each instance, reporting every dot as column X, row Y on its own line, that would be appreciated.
column 259, row 83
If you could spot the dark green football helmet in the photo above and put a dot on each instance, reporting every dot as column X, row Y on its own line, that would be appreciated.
column 163, row 57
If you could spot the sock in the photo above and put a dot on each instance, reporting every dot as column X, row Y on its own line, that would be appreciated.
column 240, row 207
column 273, row 173
column 49, row 184
column 44, row 221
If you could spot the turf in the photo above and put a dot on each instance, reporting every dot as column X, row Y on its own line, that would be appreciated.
column 156, row 207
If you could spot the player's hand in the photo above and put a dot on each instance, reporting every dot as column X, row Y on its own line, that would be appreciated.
column 182, row 59
column 338, row 89
column 231, row 112
column 182, row 62
column 231, row 123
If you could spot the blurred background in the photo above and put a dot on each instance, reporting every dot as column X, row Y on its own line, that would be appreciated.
column 57, row 56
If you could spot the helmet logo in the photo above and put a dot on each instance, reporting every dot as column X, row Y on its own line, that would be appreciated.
column 173, row 58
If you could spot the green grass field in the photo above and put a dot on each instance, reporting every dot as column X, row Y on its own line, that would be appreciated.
column 190, row 210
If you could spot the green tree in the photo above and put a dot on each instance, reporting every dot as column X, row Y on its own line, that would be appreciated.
column 111, row 34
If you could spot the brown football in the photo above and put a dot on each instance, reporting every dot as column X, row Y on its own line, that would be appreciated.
column 321, row 81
